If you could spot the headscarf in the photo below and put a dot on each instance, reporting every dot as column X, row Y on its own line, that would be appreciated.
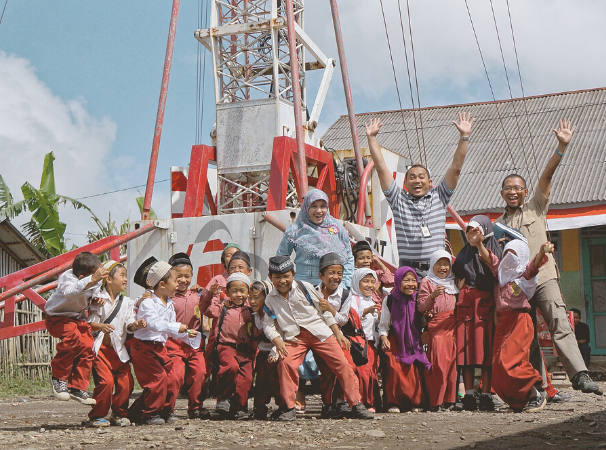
column 406, row 322
column 449, row 282
column 468, row 264
column 317, row 239
column 512, row 267
column 355, row 282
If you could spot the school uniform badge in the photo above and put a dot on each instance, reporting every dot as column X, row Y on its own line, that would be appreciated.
column 197, row 311
column 333, row 229
column 515, row 289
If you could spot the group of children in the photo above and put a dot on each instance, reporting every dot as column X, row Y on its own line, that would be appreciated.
column 262, row 331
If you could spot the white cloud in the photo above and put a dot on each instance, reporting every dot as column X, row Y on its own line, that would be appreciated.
column 34, row 121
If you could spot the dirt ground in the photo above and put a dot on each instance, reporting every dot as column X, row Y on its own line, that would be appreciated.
column 44, row 423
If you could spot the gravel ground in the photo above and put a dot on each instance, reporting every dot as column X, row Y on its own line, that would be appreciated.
column 44, row 423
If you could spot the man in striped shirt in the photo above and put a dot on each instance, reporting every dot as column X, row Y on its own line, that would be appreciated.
column 419, row 211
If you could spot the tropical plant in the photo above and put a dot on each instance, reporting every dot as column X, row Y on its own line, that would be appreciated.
column 44, row 230
column 106, row 229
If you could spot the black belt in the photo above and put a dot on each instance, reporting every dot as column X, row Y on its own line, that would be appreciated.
column 414, row 264
column 244, row 348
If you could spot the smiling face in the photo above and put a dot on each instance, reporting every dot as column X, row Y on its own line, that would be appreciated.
column 227, row 256
column 256, row 300
column 409, row 284
column 514, row 192
column 237, row 291
column 331, row 277
column 167, row 288
column 363, row 259
column 239, row 265
column 367, row 285
column 442, row 268
column 184, row 276
column 417, row 182
column 118, row 281
column 283, row 281
column 317, row 211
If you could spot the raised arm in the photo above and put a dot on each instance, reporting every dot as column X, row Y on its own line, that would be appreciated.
column 385, row 176
column 564, row 135
column 464, row 127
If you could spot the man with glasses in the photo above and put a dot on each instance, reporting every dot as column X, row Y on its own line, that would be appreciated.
column 530, row 218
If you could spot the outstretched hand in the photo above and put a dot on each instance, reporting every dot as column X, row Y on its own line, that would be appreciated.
column 564, row 134
column 465, row 123
column 373, row 128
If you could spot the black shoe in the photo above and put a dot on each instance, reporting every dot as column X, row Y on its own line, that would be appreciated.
column 486, row 403
column 434, row 409
column 60, row 389
column 155, row 420
column 275, row 415
column 201, row 413
column 469, row 403
column 223, row 406
column 343, row 410
column 458, row 406
column 82, row 396
column 583, row 382
column 171, row 419
column 330, row 412
column 288, row 415
column 360, row 412
column 560, row 397
column 259, row 415
column 537, row 403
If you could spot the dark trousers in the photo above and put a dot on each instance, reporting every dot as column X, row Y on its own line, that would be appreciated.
column 585, row 353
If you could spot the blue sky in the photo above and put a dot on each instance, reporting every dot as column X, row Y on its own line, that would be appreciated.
column 83, row 78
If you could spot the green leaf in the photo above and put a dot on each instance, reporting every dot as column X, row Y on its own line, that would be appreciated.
column 47, row 181
column 8, row 206
column 44, row 213
column 152, row 214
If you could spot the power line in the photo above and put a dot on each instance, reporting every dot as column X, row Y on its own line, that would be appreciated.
column 120, row 190
column 3, row 10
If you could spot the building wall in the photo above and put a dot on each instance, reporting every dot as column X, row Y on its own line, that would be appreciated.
column 570, row 270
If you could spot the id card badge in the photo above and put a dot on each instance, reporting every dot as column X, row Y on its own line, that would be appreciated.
column 425, row 231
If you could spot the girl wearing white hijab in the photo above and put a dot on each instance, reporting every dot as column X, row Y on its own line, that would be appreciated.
column 513, row 377
column 436, row 299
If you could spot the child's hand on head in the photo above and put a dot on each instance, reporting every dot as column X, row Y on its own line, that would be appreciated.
column 100, row 274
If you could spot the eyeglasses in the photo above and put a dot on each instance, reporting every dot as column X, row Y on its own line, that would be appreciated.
column 513, row 188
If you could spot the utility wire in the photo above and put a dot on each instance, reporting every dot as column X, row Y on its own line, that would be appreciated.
column 120, row 190
column 3, row 10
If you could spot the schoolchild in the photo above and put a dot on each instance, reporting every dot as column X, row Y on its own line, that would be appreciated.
column 110, row 323
column 405, row 360
column 152, row 365
column 296, row 325
column 365, row 258
column 514, row 379
column 362, row 290
column 234, row 350
column 267, row 380
column 65, row 319
column 189, row 364
column 436, row 300
column 475, row 313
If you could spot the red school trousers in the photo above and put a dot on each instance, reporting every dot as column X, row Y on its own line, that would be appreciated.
column 189, row 368
column 74, row 355
column 235, row 376
column 512, row 374
column 441, row 378
column 267, row 382
column 332, row 354
column 113, row 383
column 153, row 369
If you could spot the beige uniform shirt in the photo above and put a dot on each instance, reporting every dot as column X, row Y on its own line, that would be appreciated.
column 531, row 219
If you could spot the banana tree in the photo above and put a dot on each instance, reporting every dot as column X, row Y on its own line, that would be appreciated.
column 44, row 230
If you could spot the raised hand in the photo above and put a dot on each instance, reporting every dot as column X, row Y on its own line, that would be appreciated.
column 465, row 123
column 547, row 247
column 100, row 274
column 215, row 289
column 373, row 128
column 475, row 237
column 564, row 134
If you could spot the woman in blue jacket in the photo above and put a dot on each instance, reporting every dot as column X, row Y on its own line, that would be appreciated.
column 313, row 234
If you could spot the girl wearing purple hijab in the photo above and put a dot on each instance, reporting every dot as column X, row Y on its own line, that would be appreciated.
column 400, row 334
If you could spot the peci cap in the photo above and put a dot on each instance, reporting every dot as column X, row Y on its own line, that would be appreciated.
column 280, row 264
column 180, row 259
column 238, row 276
column 242, row 256
column 140, row 277
column 330, row 259
column 361, row 246
column 157, row 272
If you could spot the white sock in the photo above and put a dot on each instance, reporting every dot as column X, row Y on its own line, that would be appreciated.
column 468, row 391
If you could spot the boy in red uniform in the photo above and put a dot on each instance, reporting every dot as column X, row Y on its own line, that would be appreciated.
column 233, row 352
column 267, row 380
column 189, row 364
column 110, row 323
column 514, row 379
column 296, row 314
column 66, row 320
column 365, row 258
column 151, row 362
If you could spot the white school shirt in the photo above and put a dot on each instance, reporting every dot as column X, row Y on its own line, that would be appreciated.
column 124, row 318
column 385, row 321
column 294, row 313
column 262, row 345
column 359, row 304
column 161, row 322
column 70, row 299
column 342, row 315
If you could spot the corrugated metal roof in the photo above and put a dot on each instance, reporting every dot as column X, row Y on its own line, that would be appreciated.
column 17, row 245
column 580, row 178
